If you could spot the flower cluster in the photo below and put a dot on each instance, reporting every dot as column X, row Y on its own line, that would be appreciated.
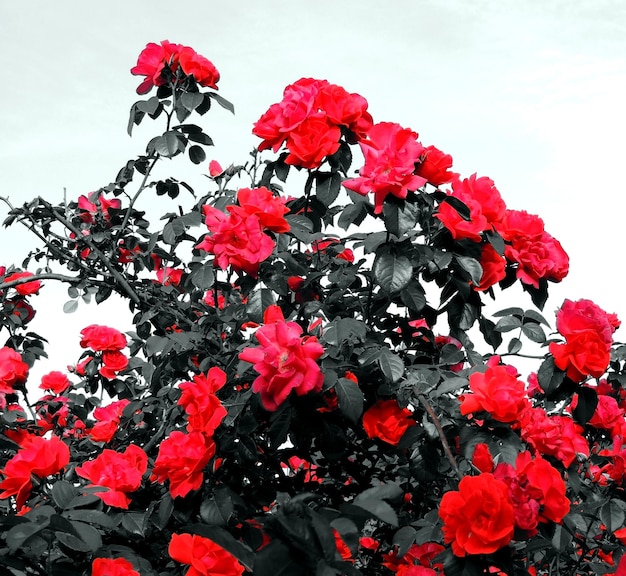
column 203, row 556
column 310, row 119
column 109, row 342
column 160, row 62
column 588, row 332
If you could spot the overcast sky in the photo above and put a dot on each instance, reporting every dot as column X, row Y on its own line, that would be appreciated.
column 530, row 93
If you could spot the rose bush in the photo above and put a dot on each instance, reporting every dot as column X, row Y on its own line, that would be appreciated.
column 311, row 385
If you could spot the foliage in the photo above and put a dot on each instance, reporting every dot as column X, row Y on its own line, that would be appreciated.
column 303, row 391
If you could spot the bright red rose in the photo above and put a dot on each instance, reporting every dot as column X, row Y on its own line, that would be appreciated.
column 203, row 70
column 27, row 288
column 345, row 109
column 120, row 473
column 269, row 208
column 540, row 258
column 390, row 156
column 497, row 391
column 215, row 168
column 608, row 414
column 151, row 62
column 236, row 241
column 387, row 421
column 494, row 268
column 37, row 456
column 555, row 435
column 435, row 166
column 204, row 557
column 520, row 225
column 107, row 421
column 578, row 317
column 12, row 369
column 479, row 517
column 313, row 140
column 204, row 410
column 55, row 381
column 482, row 458
column 169, row 276
column 113, row 361
column 112, row 567
column 485, row 205
column 285, row 360
column 418, row 555
column 181, row 460
column 96, row 203
column 102, row 338
column 536, row 490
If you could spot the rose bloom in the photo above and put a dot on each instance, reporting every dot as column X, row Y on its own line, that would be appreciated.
column 37, row 456
column 204, row 410
column 313, row 140
column 96, row 203
column 345, row 109
column 578, row 317
column 27, row 288
column 555, row 435
column 607, row 414
column 520, row 225
column 536, row 490
column 494, row 268
column 107, row 421
column 151, row 62
column 482, row 458
column 169, row 276
column 537, row 259
column 497, row 391
column 113, row 362
column 55, row 381
column 112, row 567
column 204, row 557
column 12, row 369
column 387, row 421
column 479, row 517
column 417, row 556
column 202, row 69
column 435, row 166
column 181, row 460
column 269, row 208
column 485, row 204
column 285, row 360
column 100, row 338
column 120, row 473
column 236, row 241
column 390, row 156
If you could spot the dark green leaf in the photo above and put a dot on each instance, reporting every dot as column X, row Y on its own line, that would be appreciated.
column 404, row 539
column 63, row 493
column 379, row 509
column 413, row 296
column 534, row 332
column 508, row 323
column 327, row 187
column 349, row 398
column 197, row 154
column 391, row 271
column 514, row 346
column 472, row 267
column 586, row 406
column 203, row 277
column 258, row 301
column 399, row 217
column 612, row 515
column 73, row 542
column 135, row 522
column 549, row 376
column 191, row 100
column 70, row 306
column 222, row 101
column 391, row 365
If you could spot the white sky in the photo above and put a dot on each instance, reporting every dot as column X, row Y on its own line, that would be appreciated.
column 528, row 93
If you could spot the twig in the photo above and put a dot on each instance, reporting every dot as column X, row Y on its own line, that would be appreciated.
column 442, row 436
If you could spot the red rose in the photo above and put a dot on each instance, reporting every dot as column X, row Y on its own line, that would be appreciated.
column 237, row 240
column 27, row 288
column 313, row 140
column 112, row 567
column 204, row 410
column 12, row 369
column 204, row 557
column 478, row 518
column 485, row 205
column 387, row 421
column 39, row 456
column 345, row 109
column 390, row 156
column 102, row 338
column 435, row 166
column 120, row 473
column 262, row 202
column 578, row 317
column 482, row 458
column 608, row 414
column 203, row 70
column 55, row 381
column 555, row 435
column 538, row 258
column 497, row 391
column 107, row 421
column 181, row 460
column 151, row 61
column 520, row 225
column 494, row 268
column 285, row 360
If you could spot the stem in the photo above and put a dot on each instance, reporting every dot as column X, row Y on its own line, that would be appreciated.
column 116, row 275
column 442, row 436
column 44, row 276
column 142, row 187
column 30, row 409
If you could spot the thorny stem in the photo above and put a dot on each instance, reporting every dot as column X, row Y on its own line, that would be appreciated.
column 116, row 275
column 442, row 436
column 44, row 276
column 142, row 187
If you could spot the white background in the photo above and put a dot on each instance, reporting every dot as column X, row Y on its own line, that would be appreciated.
column 529, row 93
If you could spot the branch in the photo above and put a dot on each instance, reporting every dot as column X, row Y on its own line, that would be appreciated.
column 142, row 187
column 42, row 276
column 442, row 436
column 116, row 275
